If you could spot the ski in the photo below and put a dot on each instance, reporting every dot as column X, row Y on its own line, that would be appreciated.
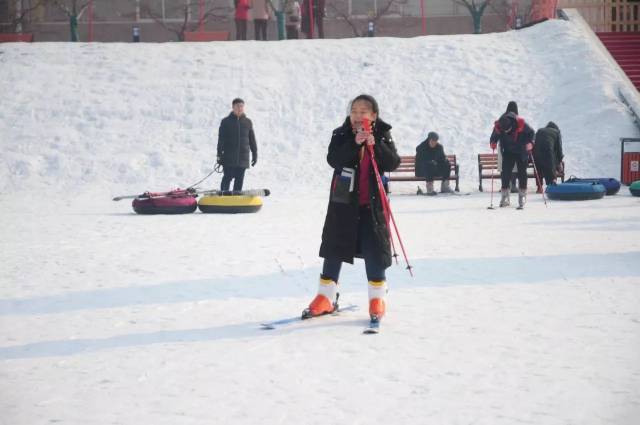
column 147, row 195
column 250, row 192
column 374, row 326
column 290, row 320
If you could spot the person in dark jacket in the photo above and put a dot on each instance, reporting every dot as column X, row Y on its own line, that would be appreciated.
column 547, row 152
column 516, row 143
column 236, row 142
column 432, row 163
column 356, row 224
column 512, row 106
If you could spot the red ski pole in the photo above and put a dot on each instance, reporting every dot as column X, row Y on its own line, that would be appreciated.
column 383, row 198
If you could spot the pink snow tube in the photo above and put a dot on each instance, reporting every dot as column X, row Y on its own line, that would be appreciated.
column 177, row 202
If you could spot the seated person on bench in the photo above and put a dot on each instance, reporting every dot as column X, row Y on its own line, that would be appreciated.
column 432, row 163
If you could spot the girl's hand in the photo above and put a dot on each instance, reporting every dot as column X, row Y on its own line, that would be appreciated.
column 370, row 139
column 362, row 137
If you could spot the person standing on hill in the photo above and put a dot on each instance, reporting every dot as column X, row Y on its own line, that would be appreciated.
column 516, row 143
column 356, row 224
column 242, row 18
column 260, row 18
column 547, row 152
column 293, row 17
column 432, row 163
column 236, row 143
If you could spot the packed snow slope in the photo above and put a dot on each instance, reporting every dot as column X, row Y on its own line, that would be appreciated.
column 108, row 317
column 119, row 117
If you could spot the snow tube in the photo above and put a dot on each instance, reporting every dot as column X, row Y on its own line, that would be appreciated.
column 635, row 188
column 611, row 185
column 230, row 204
column 177, row 204
column 575, row 191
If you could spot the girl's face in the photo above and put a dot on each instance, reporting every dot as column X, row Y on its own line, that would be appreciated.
column 360, row 110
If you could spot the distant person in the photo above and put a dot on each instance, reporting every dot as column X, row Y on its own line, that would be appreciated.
column 516, row 143
column 547, row 153
column 512, row 106
column 432, row 163
column 355, row 224
column 318, row 9
column 237, row 146
column 260, row 18
column 293, row 16
column 242, row 18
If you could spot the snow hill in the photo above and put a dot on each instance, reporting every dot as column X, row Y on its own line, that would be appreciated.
column 108, row 117
column 107, row 317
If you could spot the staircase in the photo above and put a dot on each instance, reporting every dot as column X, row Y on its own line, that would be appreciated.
column 625, row 49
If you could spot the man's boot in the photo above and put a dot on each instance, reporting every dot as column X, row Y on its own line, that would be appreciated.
column 504, row 200
column 445, row 187
column 430, row 191
column 522, row 198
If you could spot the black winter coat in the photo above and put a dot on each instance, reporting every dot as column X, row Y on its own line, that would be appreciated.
column 236, row 141
column 340, row 232
column 426, row 154
column 548, row 148
column 516, row 140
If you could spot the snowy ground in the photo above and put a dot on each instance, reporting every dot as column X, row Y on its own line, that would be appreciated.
column 513, row 317
column 107, row 317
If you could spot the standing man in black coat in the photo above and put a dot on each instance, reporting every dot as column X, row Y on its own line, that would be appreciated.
column 432, row 163
column 547, row 152
column 236, row 144
column 516, row 143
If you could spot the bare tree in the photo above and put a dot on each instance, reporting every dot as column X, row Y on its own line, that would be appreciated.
column 476, row 9
column 340, row 8
column 22, row 16
column 212, row 12
column 74, row 10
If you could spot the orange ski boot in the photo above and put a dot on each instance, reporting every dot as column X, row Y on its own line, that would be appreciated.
column 377, row 292
column 326, row 302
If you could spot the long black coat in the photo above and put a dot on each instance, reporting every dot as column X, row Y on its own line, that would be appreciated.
column 548, row 148
column 426, row 154
column 340, row 232
column 236, row 141
column 516, row 140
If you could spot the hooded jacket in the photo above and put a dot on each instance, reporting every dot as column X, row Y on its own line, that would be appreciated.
column 516, row 138
column 340, row 231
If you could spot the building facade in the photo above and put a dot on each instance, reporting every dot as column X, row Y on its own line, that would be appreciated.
column 163, row 20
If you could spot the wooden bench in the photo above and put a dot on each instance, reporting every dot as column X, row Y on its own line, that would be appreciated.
column 14, row 37
column 489, row 161
column 406, row 172
column 206, row 36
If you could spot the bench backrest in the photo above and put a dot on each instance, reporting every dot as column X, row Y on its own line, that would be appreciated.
column 206, row 36
column 408, row 163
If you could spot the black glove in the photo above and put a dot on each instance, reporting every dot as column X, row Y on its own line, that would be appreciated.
column 254, row 160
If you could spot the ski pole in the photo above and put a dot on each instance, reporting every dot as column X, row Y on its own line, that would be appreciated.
column 538, row 178
column 490, row 207
column 366, row 124
column 385, row 202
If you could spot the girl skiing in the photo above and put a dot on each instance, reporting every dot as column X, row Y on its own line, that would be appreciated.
column 355, row 225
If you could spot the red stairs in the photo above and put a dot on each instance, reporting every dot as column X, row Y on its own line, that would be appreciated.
column 625, row 49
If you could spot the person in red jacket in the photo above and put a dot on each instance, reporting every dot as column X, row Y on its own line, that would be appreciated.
column 242, row 18
column 516, row 143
